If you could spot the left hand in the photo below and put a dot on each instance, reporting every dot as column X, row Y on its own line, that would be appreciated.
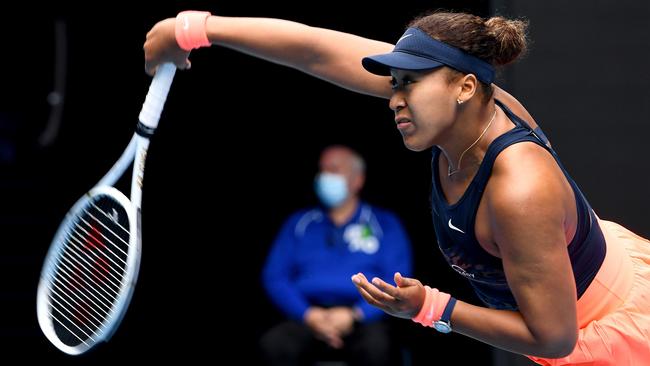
column 403, row 301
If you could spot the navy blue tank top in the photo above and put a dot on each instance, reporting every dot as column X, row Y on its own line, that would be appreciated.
column 454, row 225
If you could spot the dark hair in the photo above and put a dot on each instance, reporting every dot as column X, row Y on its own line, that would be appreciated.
column 496, row 40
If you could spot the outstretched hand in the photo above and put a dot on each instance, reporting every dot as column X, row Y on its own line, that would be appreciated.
column 402, row 301
column 161, row 47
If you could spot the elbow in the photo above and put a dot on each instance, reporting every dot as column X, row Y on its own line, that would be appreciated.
column 558, row 346
column 559, row 349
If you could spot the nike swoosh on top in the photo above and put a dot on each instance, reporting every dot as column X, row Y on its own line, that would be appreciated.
column 403, row 37
column 455, row 228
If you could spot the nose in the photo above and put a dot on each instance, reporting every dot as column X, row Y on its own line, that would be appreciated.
column 397, row 102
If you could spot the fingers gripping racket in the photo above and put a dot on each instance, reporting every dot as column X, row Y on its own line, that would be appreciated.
column 91, row 267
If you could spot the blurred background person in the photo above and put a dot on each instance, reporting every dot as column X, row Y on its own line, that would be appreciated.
column 307, row 273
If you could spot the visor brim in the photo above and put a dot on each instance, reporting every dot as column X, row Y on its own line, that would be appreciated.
column 382, row 64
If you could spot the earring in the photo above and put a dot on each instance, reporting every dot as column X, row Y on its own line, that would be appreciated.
column 460, row 101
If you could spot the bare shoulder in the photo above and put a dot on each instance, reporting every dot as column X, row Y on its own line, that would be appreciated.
column 527, row 187
column 515, row 106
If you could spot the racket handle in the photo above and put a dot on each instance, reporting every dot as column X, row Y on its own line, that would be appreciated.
column 155, row 100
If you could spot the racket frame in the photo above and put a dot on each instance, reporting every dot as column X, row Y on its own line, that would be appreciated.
column 136, row 150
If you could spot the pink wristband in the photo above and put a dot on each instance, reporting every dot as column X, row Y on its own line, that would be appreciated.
column 190, row 29
column 434, row 304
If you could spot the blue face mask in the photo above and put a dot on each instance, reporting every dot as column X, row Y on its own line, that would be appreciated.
column 331, row 189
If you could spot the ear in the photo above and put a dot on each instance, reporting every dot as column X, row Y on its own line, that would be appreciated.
column 357, row 182
column 468, row 85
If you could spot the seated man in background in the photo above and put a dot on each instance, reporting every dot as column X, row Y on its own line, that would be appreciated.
column 307, row 273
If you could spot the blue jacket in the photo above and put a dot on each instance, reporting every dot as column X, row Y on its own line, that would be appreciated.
column 312, row 260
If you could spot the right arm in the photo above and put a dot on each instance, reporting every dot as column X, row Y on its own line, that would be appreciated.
column 326, row 54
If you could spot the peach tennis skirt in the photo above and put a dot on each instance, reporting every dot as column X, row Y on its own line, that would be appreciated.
column 614, row 312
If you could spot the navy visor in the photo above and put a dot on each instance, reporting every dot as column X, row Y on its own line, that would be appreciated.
column 417, row 51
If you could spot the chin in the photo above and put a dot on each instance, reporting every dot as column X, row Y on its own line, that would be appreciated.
column 415, row 145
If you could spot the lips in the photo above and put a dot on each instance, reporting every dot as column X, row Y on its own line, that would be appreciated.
column 399, row 120
column 402, row 122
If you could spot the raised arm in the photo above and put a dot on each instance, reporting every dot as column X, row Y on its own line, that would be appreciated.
column 326, row 54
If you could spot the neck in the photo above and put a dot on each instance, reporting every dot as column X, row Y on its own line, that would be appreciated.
column 343, row 213
column 466, row 152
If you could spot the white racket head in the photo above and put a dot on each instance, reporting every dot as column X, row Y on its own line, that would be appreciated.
column 90, row 271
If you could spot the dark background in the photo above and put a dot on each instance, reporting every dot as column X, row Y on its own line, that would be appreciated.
column 237, row 148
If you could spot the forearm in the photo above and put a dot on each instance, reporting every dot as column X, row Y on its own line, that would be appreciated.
column 506, row 330
column 327, row 54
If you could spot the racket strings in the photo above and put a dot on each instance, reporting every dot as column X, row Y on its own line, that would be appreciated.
column 112, row 217
column 74, row 275
column 89, row 272
column 72, row 295
column 75, row 312
column 91, row 241
column 77, row 248
column 73, row 292
column 65, row 324
column 70, row 331
column 81, row 318
column 106, row 238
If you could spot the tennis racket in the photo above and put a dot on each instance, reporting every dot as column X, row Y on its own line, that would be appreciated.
column 91, row 267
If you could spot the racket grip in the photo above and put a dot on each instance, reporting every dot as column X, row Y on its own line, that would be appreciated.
column 157, row 95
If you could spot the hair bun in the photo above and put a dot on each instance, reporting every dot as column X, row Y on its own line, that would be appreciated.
column 510, row 37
